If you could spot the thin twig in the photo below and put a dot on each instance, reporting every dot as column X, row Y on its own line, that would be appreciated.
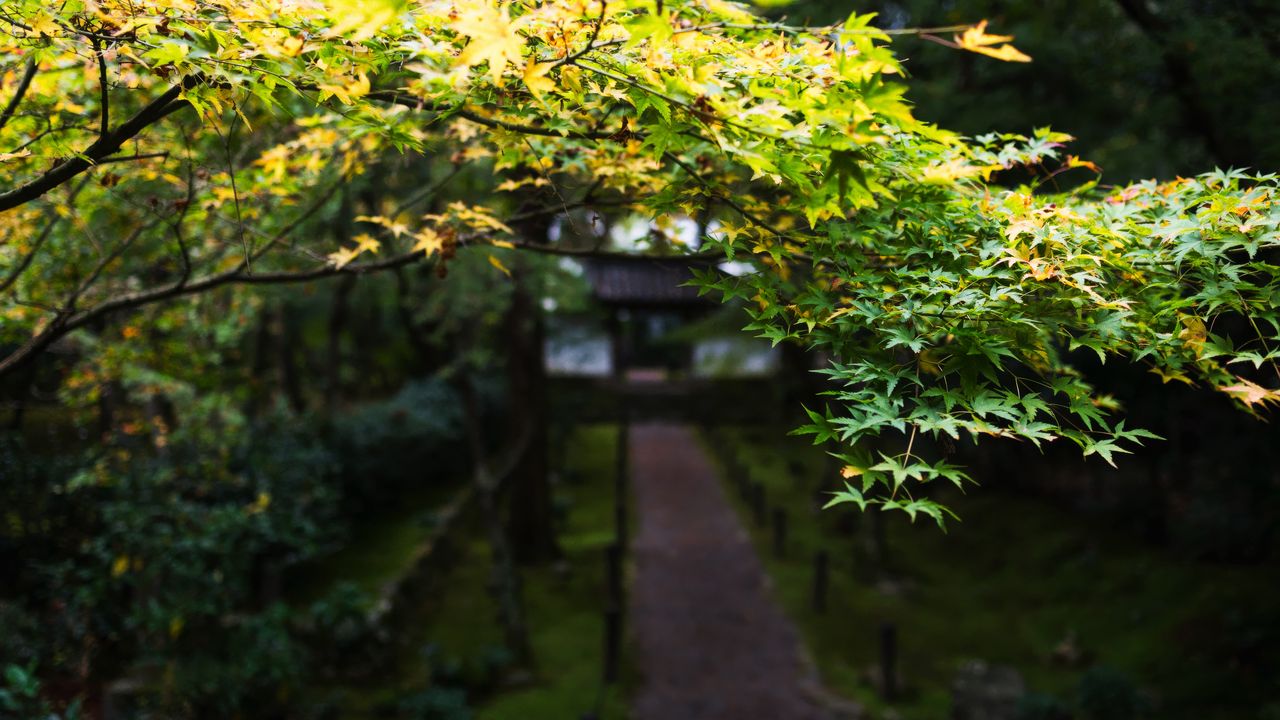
column 105, row 99
column 27, row 74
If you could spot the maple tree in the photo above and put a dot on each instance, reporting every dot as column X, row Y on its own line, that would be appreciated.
column 158, row 149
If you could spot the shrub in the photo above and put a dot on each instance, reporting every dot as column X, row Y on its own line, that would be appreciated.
column 385, row 447
column 436, row 703
column 1106, row 694
column 20, row 697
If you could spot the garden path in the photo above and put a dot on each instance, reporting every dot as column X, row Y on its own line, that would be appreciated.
column 711, row 642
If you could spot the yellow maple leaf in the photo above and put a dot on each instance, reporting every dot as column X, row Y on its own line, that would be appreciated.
column 516, row 184
column 366, row 243
column 494, row 261
column 1194, row 333
column 42, row 23
column 535, row 78
column 976, row 39
column 571, row 76
column 1019, row 227
column 1075, row 162
column 955, row 169
column 260, row 504
column 361, row 19
column 428, row 241
column 343, row 257
column 492, row 35
column 348, row 92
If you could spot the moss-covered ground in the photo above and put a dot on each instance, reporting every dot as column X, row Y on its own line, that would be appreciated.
column 1018, row 582
column 456, row 627
column 565, row 604
column 378, row 550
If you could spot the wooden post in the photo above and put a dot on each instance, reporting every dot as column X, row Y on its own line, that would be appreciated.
column 612, row 612
column 857, row 552
column 612, row 643
column 620, row 481
column 779, row 532
column 889, row 661
column 879, row 540
column 735, row 474
column 821, row 562
column 613, row 574
column 757, row 503
column 617, row 351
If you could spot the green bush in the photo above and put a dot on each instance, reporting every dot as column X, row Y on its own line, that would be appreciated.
column 1037, row 706
column 1107, row 694
column 385, row 447
column 20, row 697
column 436, row 703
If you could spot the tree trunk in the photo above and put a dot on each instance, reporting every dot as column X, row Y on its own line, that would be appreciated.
column 259, row 387
column 531, row 523
column 429, row 360
column 21, row 396
column 108, row 398
column 333, row 355
column 504, row 578
column 286, row 362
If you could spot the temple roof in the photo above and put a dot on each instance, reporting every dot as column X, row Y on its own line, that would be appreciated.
column 645, row 280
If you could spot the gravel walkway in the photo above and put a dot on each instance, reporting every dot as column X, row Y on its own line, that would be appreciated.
column 711, row 642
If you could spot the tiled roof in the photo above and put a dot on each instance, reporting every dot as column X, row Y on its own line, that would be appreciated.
column 623, row 281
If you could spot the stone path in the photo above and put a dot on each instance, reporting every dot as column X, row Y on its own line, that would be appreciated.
column 711, row 642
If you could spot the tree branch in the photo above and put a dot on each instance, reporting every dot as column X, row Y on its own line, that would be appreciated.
column 23, row 84
column 104, row 96
column 238, row 276
column 396, row 98
column 110, row 143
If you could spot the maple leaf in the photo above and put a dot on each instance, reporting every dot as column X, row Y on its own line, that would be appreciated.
column 955, row 169
column 493, row 37
column 1194, row 333
column 1251, row 393
column 361, row 19
column 396, row 227
column 494, row 261
column 366, row 243
column 347, row 93
column 976, row 39
column 535, row 78
column 516, row 184
column 428, row 241
column 43, row 24
column 343, row 257
column 1074, row 161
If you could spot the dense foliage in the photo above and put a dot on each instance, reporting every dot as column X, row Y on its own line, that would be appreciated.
column 165, row 149
column 165, row 564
